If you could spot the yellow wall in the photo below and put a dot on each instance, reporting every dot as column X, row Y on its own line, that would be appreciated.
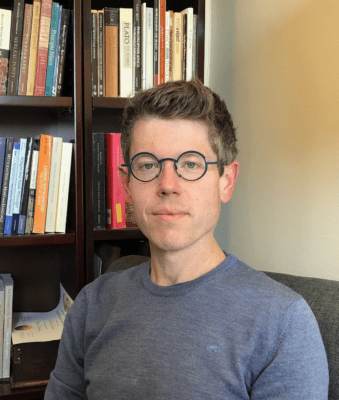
column 277, row 67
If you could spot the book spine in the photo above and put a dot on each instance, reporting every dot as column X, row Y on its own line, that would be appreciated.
column 99, row 181
column 101, row 47
column 42, row 183
column 2, row 159
column 143, row 33
column 11, row 188
column 25, row 189
column 51, row 49
column 177, row 46
column 63, row 47
column 94, row 51
column 5, row 35
column 42, row 54
column 53, row 187
column 149, row 48
column 57, row 54
column 26, row 38
column 8, row 283
column 167, row 41
column 18, row 187
column 31, row 192
column 170, row 47
column 33, row 48
column 126, row 52
column 189, row 43
column 65, row 173
column 194, row 47
column 2, row 320
column 5, row 182
column 119, row 220
column 137, row 44
column 156, row 42
column 162, row 39
column 15, row 47
column 111, row 28
column 184, row 46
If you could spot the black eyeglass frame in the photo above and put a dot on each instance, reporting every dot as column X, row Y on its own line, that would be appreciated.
column 207, row 163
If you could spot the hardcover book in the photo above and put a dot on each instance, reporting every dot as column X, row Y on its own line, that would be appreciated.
column 99, row 212
column 126, row 52
column 62, row 49
column 94, row 51
column 8, row 283
column 52, row 49
column 11, row 188
column 111, row 28
column 31, row 192
column 5, row 35
column 137, row 44
column 5, row 182
column 26, row 39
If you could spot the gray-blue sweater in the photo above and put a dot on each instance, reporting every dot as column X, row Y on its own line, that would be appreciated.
column 233, row 333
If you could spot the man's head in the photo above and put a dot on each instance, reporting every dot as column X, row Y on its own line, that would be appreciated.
column 159, row 126
column 183, row 100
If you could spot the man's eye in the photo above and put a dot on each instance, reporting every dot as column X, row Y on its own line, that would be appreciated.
column 147, row 166
column 190, row 165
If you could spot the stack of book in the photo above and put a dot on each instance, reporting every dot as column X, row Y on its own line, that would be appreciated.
column 6, row 312
column 137, row 48
column 33, row 41
column 109, row 208
column 34, row 178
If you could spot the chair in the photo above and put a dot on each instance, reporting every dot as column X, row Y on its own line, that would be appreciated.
column 322, row 296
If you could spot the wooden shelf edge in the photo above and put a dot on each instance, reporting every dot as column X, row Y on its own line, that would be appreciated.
column 118, row 234
column 109, row 102
column 37, row 240
column 36, row 101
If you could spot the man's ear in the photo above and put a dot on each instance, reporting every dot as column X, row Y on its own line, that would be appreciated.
column 227, row 181
column 124, row 176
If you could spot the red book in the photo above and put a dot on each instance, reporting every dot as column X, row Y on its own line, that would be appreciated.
column 115, row 196
column 42, row 54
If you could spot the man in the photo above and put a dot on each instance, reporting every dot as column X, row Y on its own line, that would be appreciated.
column 194, row 322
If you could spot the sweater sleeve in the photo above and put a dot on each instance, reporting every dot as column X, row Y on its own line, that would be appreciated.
column 299, row 369
column 67, row 379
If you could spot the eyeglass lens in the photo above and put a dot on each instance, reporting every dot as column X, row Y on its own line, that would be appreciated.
column 190, row 166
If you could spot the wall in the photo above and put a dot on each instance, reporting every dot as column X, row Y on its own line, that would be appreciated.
column 276, row 64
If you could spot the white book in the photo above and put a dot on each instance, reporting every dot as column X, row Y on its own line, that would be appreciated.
column 195, row 47
column 53, row 187
column 2, row 320
column 177, row 46
column 189, row 47
column 144, row 65
column 11, row 188
column 126, row 51
column 31, row 193
column 65, row 172
column 8, row 283
column 149, row 48
column 167, row 45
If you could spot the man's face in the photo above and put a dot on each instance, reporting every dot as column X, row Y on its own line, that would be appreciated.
column 174, row 213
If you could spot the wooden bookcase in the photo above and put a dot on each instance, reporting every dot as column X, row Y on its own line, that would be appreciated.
column 39, row 262
column 103, row 114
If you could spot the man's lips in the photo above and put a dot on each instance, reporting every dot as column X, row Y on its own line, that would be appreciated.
column 169, row 214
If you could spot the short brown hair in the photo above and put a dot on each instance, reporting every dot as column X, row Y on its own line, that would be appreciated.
column 185, row 100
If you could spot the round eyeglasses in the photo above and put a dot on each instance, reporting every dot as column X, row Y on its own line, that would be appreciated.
column 191, row 166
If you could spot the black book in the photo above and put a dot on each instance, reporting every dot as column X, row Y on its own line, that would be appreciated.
column 99, row 212
column 137, row 44
column 62, row 49
column 5, row 183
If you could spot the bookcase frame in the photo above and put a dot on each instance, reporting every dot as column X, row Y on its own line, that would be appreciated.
column 102, row 114
column 66, row 250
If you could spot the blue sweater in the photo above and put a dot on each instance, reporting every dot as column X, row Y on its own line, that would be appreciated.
column 233, row 333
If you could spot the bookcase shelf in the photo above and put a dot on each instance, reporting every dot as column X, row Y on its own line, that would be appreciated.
column 109, row 102
column 36, row 101
column 118, row 234
column 38, row 240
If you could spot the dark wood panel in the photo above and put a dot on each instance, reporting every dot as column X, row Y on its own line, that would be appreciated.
column 37, row 240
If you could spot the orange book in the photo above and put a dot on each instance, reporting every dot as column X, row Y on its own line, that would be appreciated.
column 111, row 31
column 162, row 40
column 44, row 167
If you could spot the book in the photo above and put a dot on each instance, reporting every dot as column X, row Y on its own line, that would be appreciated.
column 162, row 40
column 167, row 45
column 2, row 320
column 149, row 48
column 11, row 188
column 8, row 283
column 52, row 49
column 94, row 51
column 15, row 47
column 5, row 35
column 65, row 172
column 53, row 187
column 126, row 52
column 44, row 165
column 177, row 46
column 25, row 186
column 5, row 182
column 99, row 212
column 184, row 46
column 189, row 43
column 42, row 52
column 137, row 45
column 111, row 29
column 26, row 39
column 156, row 42
column 31, row 192
column 101, row 47
column 33, row 47
column 143, row 46
column 115, row 197
column 2, row 159
column 62, row 50
column 18, row 186
column 57, row 54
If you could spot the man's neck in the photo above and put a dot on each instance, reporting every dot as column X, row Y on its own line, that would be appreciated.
column 172, row 267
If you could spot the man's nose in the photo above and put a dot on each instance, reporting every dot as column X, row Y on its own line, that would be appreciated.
column 169, row 180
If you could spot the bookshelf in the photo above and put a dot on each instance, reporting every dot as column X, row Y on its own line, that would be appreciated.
column 103, row 114
column 39, row 262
